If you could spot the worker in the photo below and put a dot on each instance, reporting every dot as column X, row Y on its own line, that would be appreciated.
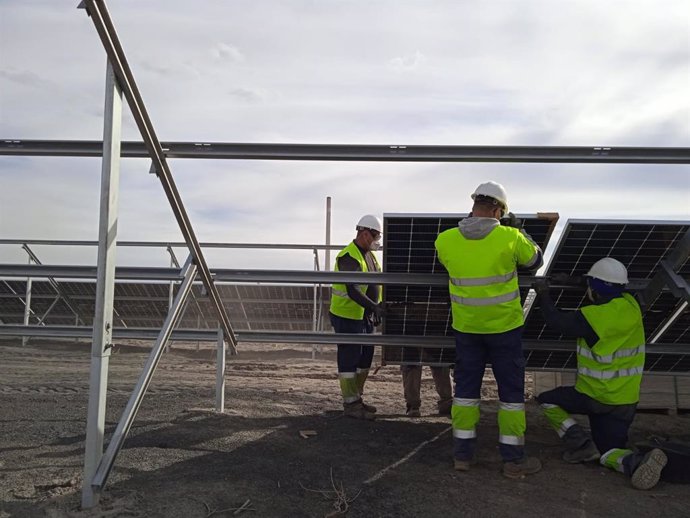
column 482, row 257
column 412, row 388
column 356, row 308
column 610, row 360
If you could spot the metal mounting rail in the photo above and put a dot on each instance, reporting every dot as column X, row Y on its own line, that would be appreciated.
column 296, row 337
column 252, row 276
column 116, row 56
column 165, row 244
column 352, row 152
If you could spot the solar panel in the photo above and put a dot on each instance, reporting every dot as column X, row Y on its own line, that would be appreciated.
column 639, row 245
column 422, row 310
column 145, row 304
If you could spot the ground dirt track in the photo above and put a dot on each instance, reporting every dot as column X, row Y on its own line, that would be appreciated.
column 183, row 460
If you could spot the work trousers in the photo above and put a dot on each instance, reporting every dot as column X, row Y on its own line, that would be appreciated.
column 412, row 385
column 504, row 352
column 609, row 425
column 353, row 360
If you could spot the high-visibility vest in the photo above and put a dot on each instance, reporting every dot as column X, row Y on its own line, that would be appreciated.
column 341, row 304
column 611, row 370
column 483, row 284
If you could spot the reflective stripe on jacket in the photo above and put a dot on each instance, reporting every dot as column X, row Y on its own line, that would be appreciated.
column 611, row 370
column 483, row 284
column 341, row 304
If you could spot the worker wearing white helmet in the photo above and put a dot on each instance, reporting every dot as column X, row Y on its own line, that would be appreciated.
column 610, row 360
column 482, row 257
column 357, row 309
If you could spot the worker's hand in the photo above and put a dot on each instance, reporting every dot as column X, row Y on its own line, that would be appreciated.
column 378, row 311
column 567, row 280
column 541, row 286
column 510, row 220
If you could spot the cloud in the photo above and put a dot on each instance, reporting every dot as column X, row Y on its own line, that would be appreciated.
column 228, row 53
column 24, row 78
column 407, row 63
column 453, row 73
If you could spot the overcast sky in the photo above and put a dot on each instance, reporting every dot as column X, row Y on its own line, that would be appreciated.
column 527, row 72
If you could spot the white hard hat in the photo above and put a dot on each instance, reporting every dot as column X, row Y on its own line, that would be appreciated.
column 610, row 270
column 370, row 221
column 492, row 190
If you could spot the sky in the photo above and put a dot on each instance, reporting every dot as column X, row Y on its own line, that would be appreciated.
column 462, row 72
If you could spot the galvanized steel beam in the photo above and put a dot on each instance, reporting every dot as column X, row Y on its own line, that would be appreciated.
column 349, row 152
column 299, row 337
column 104, row 27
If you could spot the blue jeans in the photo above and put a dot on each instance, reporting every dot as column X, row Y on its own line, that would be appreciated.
column 504, row 352
column 351, row 356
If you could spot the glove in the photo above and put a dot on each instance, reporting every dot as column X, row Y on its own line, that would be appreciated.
column 510, row 220
column 567, row 280
column 378, row 311
column 541, row 286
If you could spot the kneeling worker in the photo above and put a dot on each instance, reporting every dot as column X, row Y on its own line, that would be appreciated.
column 357, row 309
column 610, row 361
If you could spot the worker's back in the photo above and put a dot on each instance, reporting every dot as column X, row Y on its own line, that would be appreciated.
column 611, row 370
column 481, row 257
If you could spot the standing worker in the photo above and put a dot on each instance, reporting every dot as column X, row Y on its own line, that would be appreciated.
column 482, row 258
column 610, row 361
column 412, row 388
column 356, row 308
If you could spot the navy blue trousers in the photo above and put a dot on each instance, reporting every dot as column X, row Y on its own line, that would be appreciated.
column 609, row 424
column 351, row 356
column 504, row 352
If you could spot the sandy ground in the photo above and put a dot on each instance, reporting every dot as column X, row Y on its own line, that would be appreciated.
column 183, row 460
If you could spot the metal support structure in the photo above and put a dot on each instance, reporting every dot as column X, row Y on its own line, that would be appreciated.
column 123, row 426
column 666, row 275
column 113, row 48
column 269, row 276
column 339, row 152
column 299, row 337
column 50, row 308
column 27, row 306
column 669, row 322
column 327, row 252
column 105, row 285
column 56, row 286
column 674, row 282
column 174, row 244
column 220, row 372
column 317, row 288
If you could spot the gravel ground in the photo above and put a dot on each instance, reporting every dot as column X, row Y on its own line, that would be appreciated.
column 184, row 460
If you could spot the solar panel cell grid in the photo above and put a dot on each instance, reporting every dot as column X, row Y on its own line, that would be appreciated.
column 640, row 246
column 423, row 310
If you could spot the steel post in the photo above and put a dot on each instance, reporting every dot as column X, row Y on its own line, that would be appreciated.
column 105, row 285
column 130, row 412
column 220, row 372
column 27, row 306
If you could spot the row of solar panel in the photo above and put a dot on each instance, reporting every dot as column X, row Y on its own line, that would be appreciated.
column 419, row 310
column 250, row 307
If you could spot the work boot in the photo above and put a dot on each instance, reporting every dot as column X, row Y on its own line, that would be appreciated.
column 527, row 466
column 369, row 408
column 649, row 470
column 356, row 410
column 445, row 406
column 463, row 465
column 413, row 412
column 586, row 453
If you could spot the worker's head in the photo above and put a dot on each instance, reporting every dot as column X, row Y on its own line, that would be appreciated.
column 606, row 278
column 369, row 231
column 490, row 201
